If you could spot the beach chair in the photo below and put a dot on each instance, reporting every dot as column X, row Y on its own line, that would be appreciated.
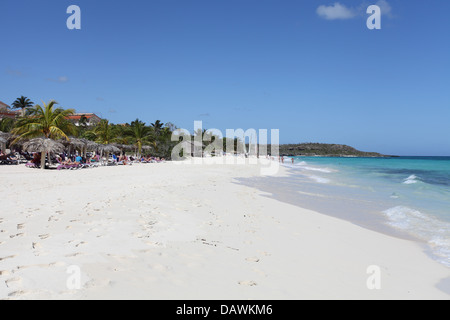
column 32, row 165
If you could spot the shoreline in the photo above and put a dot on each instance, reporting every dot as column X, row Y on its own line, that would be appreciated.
column 166, row 231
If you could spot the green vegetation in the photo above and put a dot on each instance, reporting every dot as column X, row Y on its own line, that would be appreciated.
column 22, row 103
column 51, row 122
column 324, row 150
column 44, row 122
column 153, row 139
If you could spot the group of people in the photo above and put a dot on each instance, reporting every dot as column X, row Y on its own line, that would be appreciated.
column 280, row 159
column 150, row 159
column 91, row 159
column 8, row 158
column 123, row 159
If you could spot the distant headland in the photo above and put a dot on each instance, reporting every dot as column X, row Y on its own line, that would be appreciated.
column 325, row 150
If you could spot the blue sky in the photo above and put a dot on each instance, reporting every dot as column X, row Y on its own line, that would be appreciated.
column 318, row 75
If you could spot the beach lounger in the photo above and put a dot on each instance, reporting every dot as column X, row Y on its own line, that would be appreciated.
column 32, row 165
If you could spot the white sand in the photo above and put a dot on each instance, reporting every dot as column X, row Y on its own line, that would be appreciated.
column 166, row 231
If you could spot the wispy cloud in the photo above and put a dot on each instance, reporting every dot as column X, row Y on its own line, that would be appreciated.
column 385, row 7
column 336, row 11
column 16, row 73
column 111, row 110
column 99, row 99
column 62, row 79
column 204, row 115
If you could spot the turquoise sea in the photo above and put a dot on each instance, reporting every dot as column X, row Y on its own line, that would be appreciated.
column 405, row 196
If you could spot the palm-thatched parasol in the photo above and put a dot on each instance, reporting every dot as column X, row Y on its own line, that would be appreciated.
column 5, row 135
column 123, row 147
column 107, row 148
column 44, row 146
column 147, row 148
column 3, row 142
column 77, row 143
column 91, row 145
column 4, row 138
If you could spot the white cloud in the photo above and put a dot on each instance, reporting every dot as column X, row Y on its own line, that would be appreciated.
column 336, row 11
column 62, row 79
column 385, row 7
column 339, row 11
column 13, row 72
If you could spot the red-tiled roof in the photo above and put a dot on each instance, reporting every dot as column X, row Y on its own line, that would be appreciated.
column 8, row 115
column 78, row 116
column 2, row 104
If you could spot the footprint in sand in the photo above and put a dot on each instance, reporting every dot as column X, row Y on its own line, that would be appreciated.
column 8, row 257
column 18, row 293
column 73, row 255
column 37, row 247
column 252, row 259
column 44, row 236
column 264, row 253
column 248, row 283
column 20, row 226
column 17, row 235
column 57, row 264
column 13, row 281
column 80, row 244
column 4, row 273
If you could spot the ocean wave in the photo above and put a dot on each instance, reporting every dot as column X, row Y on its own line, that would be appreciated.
column 319, row 179
column 425, row 227
column 411, row 179
column 324, row 170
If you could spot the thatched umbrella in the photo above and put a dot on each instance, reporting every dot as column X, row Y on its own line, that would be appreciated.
column 5, row 135
column 147, row 148
column 90, row 146
column 76, row 143
column 123, row 147
column 4, row 138
column 44, row 146
column 107, row 148
column 3, row 142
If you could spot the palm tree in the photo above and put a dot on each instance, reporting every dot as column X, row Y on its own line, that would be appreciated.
column 139, row 134
column 7, row 124
column 46, row 122
column 104, row 132
column 165, row 143
column 22, row 103
column 157, row 126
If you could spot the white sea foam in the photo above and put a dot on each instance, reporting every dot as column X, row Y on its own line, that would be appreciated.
column 410, row 180
column 326, row 170
column 304, row 165
column 425, row 227
column 319, row 179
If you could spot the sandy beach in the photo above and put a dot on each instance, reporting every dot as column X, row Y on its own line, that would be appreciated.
column 180, row 231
